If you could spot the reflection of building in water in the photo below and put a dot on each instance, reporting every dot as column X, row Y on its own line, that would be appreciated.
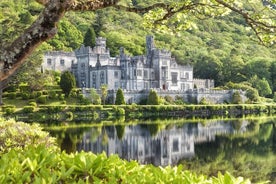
column 166, row 148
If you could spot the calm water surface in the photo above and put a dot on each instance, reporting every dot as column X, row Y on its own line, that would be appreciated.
column 243, row 147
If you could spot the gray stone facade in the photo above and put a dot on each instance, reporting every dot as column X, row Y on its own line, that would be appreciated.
column 94, row 67
column 58, row 60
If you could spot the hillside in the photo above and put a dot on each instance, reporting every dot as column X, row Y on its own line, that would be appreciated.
column 222, row 48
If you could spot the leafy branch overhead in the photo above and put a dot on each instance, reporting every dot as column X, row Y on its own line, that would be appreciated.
column 158, row 15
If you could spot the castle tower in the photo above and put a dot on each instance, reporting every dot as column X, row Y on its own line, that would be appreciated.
column 149, row 44
column 100, row 45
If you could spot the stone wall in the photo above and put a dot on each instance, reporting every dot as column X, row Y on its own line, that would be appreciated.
column 190, row 96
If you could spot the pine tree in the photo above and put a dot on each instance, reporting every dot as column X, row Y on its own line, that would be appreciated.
column 153, row 98
column 67, row 82
column 120, row 99
column 89, row 38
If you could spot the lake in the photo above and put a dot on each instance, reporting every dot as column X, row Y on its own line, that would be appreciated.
column 244, row 147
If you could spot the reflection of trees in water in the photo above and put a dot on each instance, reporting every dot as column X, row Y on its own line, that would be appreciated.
column 237, row 124
column 251, row 155
column 68, row 138
column 120, row 130
column 104, row 137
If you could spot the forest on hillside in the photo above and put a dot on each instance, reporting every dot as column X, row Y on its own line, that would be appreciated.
column 223, row 48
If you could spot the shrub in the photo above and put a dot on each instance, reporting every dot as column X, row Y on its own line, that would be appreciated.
column 69, row 116
column 153, row 98
column 42, row 99
column 44, row 92
column 12, row 95
column 25, row 96
column 169, row 99
column 54, row 108
column 67, row 82
column 120, row 111
column 120, row 99
column 52, row 94
column 8, row 109
column 19, row 135
column 38, row 93
column 28, row 109
column 236, row 98
column 24, row 88
column 33, row 104
column 42, row 165
column 61, row 96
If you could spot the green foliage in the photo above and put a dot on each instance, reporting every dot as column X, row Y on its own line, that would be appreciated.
column 251, row 93
column 153, row 98
column 39, row 164
column 52, row 94
column 18, row 135
column 28, row 109
column 42, row 99
column 67, row 82
column 11, row 95
column 120, row 131
column 32, row 103
column 90, row 38
column 120, row 99
column 261, row 85
column 104, row 94
column 203, row 101
column 95, row 97
column 68, row 37
column 236, row 98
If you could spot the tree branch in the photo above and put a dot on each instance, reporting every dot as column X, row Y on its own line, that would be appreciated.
column 253, row 23
column 44, row 28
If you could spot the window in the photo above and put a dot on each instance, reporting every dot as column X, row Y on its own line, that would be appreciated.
column 94, row 76
column 183, row 87
column 187, row 75
column 174, row 78
column 182, row 75
column 62, row 62
column 164, row 73
column 139, row 73
column 102, row 77
column 122, row 74
column 116, row 74
column 146, row 85
column 49, row 61
column 145, row 74
column 164, row 63
column 83, row 65
column 175, row 145
column 134, row 72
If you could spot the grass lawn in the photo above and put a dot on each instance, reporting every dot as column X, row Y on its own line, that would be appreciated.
column 19, row 103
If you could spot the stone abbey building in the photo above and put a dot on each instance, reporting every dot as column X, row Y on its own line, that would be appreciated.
column 136, row 75
column 94, row 67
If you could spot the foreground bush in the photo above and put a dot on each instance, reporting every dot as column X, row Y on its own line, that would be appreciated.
column 40, row 165
column 19, row 135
